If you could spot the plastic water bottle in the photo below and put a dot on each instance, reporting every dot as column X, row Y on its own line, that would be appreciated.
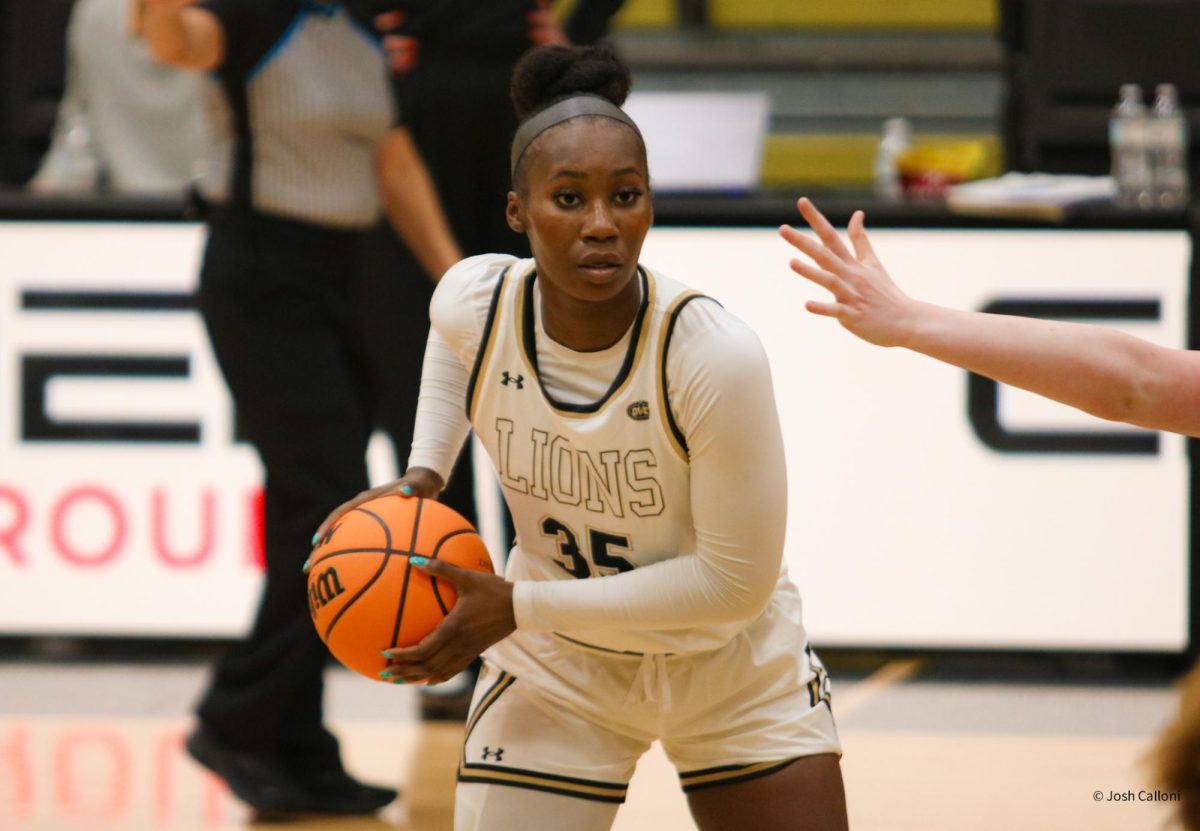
column 897, row 137
column 1129, row 148
column 79, row 167
column 1169, row 150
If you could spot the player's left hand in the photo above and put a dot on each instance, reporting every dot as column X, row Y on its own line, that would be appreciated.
column 482, row 615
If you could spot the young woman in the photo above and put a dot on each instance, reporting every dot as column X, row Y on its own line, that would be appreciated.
column 633, row 426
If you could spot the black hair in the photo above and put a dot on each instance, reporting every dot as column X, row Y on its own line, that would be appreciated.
column 549, row 74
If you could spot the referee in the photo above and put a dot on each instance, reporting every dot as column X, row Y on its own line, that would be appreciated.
column 302, row 136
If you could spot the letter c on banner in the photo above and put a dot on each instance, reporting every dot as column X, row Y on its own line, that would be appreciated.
column 983, row 394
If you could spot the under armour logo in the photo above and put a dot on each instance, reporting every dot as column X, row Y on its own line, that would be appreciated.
column 497, row 754
column 507, row 379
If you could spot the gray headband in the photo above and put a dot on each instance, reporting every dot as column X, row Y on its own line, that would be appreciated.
column 564, row 110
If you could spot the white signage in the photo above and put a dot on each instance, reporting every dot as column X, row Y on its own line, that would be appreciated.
column 924, row 510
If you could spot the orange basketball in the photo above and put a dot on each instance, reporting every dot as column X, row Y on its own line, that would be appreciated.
column 363, row 593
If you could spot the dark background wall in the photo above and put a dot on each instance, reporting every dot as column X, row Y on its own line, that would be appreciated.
column 32, row 50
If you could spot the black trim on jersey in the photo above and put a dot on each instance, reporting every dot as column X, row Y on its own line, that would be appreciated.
column 489, row 698
column 481, row 354
column 507, row 777
column 529, row 342
column 519, row 777
column 735, row 774
column 662, row 370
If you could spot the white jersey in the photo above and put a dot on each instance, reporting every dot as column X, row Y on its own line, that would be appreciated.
column 595, row 489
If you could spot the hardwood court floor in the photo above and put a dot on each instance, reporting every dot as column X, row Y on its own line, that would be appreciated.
column 995, row 743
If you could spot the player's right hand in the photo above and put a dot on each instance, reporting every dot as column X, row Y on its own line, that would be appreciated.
column 865, row 299
column 417, row 481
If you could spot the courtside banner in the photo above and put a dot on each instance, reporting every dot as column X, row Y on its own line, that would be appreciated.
column 927, row 508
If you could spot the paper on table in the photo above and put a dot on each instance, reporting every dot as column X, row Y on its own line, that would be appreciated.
column 1040, row 195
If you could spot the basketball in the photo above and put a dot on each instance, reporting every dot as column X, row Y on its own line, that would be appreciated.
column 363, row 593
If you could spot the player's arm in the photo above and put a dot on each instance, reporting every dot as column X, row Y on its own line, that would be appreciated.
column 724, row 402
column 182, row 35
column 1102, row 371
column 412, row 204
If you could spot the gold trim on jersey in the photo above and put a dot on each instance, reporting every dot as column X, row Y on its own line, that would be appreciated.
column 660, row 385
column 640, row 336
column 729, row 774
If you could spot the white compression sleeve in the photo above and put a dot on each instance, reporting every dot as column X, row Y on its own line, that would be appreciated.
column 458, row 312
column 441, row 423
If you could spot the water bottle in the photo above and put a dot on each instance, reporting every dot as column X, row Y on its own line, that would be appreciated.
column 1168, row 150
column 897, row 137
column 79, row 169
column 1128, row 146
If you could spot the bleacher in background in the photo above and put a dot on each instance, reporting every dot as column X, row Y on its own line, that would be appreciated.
column 1040, row 73
column 834, row 70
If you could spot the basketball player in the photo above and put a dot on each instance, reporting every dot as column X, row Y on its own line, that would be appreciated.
column 632, row 423
column 1101, row 371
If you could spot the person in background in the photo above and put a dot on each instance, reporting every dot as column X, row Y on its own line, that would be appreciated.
column 452, row 61
column 127, row 125
column 1101, row 371
column 303, row 139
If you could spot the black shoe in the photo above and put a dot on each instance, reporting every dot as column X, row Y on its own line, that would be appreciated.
column 259, row 780
column 337, row 792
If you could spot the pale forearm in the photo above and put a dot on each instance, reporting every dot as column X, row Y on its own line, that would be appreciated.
column 413, row 207
column 1101, row 371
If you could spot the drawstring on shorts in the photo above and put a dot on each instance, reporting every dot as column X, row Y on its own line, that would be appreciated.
column 651, row 683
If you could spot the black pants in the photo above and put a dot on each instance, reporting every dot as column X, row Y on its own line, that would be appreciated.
column 461, row 118
column 306, row 340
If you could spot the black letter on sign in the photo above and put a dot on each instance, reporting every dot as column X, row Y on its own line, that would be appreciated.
column 983, row 397
column 37, row 370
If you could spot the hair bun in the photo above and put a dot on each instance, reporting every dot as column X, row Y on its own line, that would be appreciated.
column 550, row 73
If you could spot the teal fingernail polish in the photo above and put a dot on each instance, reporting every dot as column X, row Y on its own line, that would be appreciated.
column 406, row 490
column 385, row 654
column 315, row 538
column 385, row 674
column 304, row 568
column 419, row 561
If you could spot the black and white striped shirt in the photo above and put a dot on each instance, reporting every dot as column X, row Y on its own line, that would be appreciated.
column 296, row 112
